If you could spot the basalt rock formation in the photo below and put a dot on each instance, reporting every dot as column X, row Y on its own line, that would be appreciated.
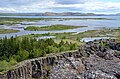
column 99, row 59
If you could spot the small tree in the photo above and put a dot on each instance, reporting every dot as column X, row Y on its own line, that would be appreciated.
column 61, row 43
column 23, row 55
column 51, row 49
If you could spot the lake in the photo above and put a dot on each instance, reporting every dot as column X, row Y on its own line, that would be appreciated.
column 92, row 24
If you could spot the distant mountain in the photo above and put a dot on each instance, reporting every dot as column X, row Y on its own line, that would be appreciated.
column 60, row 14
column 118, row 14
column 19, row 14
column 50, row 14
column 69, row 14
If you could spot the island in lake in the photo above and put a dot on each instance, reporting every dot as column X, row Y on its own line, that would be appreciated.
column 59, row 39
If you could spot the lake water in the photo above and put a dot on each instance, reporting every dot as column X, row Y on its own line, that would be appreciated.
column 92, row 24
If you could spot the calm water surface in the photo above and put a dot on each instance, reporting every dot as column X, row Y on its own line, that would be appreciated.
column 92, row 24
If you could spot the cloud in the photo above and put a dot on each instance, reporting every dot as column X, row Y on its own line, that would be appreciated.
column 59, row 6
column 26, row 5
column 94, row 6
column 69, row 1
column 7, row 10
column 73, row 2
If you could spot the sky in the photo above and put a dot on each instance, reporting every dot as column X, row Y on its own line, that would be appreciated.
column 40, row 6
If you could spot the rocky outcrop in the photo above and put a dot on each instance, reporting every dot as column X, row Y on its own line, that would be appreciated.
column 94, row 60
column 99, row 60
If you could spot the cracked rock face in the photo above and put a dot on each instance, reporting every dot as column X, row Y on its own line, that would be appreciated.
column 99, row 59
column 103, row 63
column 97, row 75
column 98, row 68
column 67, row 68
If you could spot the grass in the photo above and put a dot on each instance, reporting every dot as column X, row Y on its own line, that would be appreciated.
column 12, row 21
column 88, row 19
column 70, row 37
column 115, row 33
column 5, row 31
column 7, row 65
column 67, row 36
column 52, row 27
column 68, row 40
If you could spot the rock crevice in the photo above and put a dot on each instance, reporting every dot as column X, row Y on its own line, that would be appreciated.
column 98, row 59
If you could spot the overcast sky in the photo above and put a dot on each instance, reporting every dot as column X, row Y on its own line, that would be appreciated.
column 83, row 6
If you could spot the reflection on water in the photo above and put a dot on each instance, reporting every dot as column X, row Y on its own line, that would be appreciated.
column 22, row 32
column 92, row 24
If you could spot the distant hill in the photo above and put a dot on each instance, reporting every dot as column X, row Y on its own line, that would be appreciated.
column 118, row 14
column 68, row 14
column 19, row 14
column 50, row 14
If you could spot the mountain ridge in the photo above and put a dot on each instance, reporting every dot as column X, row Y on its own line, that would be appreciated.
column 51, row 14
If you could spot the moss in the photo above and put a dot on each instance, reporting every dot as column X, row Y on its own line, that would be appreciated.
column 47, row 68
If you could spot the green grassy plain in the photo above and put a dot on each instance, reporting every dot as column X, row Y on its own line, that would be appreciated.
column 52, row 27
column 5, row 31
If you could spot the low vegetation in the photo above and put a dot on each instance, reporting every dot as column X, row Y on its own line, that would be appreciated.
column 52, row 27
column 88, row 19
column 4, row 31
column 15, row 50
column 76, row 37
column 12, row 21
